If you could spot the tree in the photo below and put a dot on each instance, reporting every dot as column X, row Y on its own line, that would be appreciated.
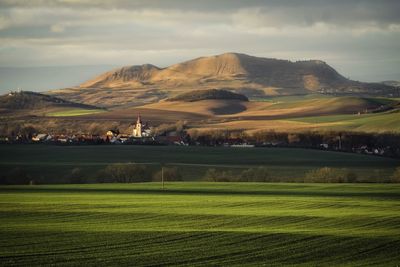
column 396, row 176
column 213, row 175
column 76, row 176
column 324, row 175
column 126, row 173
column 170, row 174
column 259, row 174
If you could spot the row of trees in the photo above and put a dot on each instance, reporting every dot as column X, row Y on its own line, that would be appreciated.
column 113, row 173
column 134, row 173
column 333, row 140
column 320, row 175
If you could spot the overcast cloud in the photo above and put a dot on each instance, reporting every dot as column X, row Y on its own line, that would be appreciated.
column 359, row 38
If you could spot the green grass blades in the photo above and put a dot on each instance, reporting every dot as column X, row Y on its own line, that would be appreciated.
column 74, row 112
column 200, row 224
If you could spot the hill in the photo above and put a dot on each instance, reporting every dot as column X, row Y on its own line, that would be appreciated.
column 231, row 71
column 392, row 83
column 199, row 95
column 25, row 101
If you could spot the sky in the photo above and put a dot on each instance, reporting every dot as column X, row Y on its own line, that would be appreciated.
column 360, row 38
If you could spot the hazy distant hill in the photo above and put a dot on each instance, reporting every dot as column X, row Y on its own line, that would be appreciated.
column 231, row 71
column 392, row 83
column 31, row 101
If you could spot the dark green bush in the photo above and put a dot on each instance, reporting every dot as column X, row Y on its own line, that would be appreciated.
column 324, row 175
column 396, row 176
column 124, row 173
column 259, row 174
column 170, row 174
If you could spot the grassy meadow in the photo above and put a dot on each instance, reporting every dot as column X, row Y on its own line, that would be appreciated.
column 200, row 224
column 381, row 122
column 74, row 112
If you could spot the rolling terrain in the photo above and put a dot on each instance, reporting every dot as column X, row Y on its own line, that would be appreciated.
column 286, row 113
column 198, row 224
column 249, row 75
column 224, row 92
column 33, row 103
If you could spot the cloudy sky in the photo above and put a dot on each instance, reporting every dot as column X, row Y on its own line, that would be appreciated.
column 360, row 38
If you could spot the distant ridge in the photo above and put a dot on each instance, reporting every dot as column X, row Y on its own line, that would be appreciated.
column 251, row 76
column 32, row 100
column 238, row 70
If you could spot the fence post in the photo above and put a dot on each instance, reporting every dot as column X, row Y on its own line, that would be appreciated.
column 162, row 177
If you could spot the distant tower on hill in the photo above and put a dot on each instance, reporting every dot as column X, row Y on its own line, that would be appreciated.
column 137, row 130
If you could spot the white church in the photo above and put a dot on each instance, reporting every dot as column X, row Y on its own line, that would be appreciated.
column 140, row 130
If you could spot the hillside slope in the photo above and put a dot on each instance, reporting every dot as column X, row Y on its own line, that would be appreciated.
column 27, row 102
column 249, row 75
column 300, row 76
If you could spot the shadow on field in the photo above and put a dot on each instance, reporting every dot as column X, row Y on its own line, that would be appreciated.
column 326, row 192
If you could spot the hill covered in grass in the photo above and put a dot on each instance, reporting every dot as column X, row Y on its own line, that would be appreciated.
column 293, row 77
column 211, row 94
column 249, row 75
column 33, row 100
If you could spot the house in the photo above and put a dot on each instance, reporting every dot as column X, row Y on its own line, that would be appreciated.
column 39, row 138
column 111, row 133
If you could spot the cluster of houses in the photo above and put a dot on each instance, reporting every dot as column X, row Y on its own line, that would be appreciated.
column 141, row 134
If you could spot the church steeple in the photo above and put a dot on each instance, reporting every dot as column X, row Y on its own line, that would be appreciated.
column 137, row 131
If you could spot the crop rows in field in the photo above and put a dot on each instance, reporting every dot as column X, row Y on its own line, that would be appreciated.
column 200, row 224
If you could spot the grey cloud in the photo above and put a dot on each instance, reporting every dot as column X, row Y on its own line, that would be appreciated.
column 351, row 34
column 303, row 12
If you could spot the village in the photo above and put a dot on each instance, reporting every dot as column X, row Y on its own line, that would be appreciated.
column 143, row 134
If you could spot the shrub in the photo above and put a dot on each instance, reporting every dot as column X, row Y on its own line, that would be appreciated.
column 259, row 174
column 351, row 177
column 76, row 176
column 324, row 175
column 396, row 176
column 125, row 173
column 170, row 174
column 213, row 175
column 17, row 176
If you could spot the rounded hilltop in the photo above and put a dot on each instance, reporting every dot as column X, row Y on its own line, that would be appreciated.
column 210, row 94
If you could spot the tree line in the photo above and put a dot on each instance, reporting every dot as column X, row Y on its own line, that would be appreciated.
column 138, row 173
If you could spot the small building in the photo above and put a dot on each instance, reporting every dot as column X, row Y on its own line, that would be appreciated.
column 39, row 138
column 111, row 133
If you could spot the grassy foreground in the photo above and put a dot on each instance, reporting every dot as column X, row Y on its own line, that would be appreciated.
column 197, row 224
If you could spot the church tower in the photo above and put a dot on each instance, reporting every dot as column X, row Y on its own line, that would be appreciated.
column 137, row 131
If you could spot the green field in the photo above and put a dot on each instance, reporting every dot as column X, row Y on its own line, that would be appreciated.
column 375, row 122
column 74, row 112
column 288, row 164
column 200, row 224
